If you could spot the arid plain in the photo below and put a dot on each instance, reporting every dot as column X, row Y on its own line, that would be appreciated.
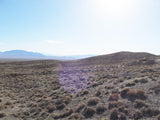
column 120, row 86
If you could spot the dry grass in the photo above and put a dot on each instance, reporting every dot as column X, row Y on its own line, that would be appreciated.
column 87, row 91
column 116, row 115
column 113, row 97
column 136, row 94
column 80, row 107
column 149, row 112
column 140, row 104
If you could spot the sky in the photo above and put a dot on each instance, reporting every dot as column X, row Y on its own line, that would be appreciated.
column 80, row 27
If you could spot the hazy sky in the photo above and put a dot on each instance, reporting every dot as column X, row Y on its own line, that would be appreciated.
column 72, row 27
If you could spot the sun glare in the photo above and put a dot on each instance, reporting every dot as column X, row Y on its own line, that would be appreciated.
column 112, row 7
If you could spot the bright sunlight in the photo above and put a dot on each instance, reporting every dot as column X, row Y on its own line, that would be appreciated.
column 115, row 8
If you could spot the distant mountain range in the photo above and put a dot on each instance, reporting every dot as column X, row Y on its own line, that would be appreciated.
column 21, row 54
column 79, row 59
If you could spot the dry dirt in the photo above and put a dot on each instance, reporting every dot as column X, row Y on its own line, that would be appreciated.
column 48, row 90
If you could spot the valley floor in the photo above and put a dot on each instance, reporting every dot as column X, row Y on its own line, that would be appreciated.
column 48, row 90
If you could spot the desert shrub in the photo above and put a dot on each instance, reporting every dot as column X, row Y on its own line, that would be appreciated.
column 140, row 94
column 84, row 92
column 114, row 114
column 88, row 112
column 94, row 84
column 51, row 108
column 67, row 113
column 109, row 87
column 114, row 104
column 26, row 113
column 60, row 106
column 123, row 109
column 135, row 94
column 8, row 103
column 62, row 115
column 100, row 109
column 158, row 117
column 98, row 93
column 44, row 115
column 150, row 62
column 120, row 80
column 2, row 115
column 122, row 116
column 35, row 110
column 75, row 116
column 67, row 99
column 93, row 101
column 156, row 89
column 136, row 80
column 149, row 112
column 113, row 97
column 58, row 101
column 132, row 83
column 137, row 115
column 104, row 119
column 80, row 107
column 1, row 106
column 140, row 104
column 143, row 80
column 124, row 91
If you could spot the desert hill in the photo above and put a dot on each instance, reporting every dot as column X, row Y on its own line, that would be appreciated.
column 113, row 58
column 119, row 57
column 120, row 86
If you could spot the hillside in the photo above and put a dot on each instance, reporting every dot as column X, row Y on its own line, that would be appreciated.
column 121, row 86
column 113, row 58
column 118, row 57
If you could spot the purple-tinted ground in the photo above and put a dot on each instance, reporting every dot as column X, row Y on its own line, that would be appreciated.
column 75, row 78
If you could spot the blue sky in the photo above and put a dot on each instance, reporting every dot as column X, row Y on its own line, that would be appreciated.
column 76, row 27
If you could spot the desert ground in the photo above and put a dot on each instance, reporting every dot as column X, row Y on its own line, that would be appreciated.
column 85, row 89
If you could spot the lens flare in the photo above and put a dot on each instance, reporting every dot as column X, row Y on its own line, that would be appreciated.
column 74, row 78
